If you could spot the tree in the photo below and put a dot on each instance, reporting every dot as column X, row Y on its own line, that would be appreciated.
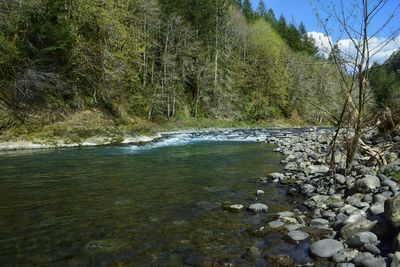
column 356, row 72
column 261, row 9
column 247, row 10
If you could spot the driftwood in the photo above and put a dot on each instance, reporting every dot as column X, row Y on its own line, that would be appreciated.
column 378, row 154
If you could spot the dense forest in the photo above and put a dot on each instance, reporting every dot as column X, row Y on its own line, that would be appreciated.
column 168, row 60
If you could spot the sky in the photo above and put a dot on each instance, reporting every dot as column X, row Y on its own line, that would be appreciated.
column 297, row 11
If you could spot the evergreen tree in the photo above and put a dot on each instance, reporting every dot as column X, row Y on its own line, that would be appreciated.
column 261, row 9
column 248, row 10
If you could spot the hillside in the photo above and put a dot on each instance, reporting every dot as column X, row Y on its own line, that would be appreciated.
column 150, row 62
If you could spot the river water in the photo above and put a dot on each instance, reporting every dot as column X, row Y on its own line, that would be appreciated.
column 159, row 204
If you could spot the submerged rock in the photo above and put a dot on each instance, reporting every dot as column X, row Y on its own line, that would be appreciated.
column 235, row 207
column 258, row 207
column 296, row 236
column 326, row 248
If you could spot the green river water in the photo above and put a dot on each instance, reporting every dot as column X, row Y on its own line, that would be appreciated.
column 124, row 206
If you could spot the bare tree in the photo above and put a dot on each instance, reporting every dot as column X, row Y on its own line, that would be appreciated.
column 356, row 21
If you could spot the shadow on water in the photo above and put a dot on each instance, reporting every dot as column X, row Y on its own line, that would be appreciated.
column 114, row 206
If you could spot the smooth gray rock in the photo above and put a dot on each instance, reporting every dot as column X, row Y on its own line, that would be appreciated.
column 297, row 236
column 326, row 248
column 372, row 249
column 377, row 208
column 361, row 225
column 319, row 223
column 368, row 183
column 362, row 257
column 362, row 238
column 258, row 207
column 392, row 210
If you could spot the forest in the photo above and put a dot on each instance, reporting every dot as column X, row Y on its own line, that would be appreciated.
column 165, row 60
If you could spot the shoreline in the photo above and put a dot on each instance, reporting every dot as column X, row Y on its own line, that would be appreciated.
column 359, row 214
column 107, row 140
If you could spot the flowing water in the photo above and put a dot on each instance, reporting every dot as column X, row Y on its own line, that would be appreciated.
column 159, row 204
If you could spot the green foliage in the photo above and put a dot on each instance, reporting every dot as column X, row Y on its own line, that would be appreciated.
column 155, row 60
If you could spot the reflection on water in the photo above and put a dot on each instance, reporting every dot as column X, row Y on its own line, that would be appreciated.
column 115, row 206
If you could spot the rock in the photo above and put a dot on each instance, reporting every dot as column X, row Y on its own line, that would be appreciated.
column 253, row 253
column 395, row 260
column 392, row 210
column 372, row 249
column 277, row 175
column 344, row 256
column 275, row 224
column 361, row 225
column 391, row 184
column 362, row 257
column 377, row 208
column 340, row 179
column 258, row 207
column 285, row 214
column 374, row 262
column 260, row 192
column 326, row 248
column 391, row 168
column 352, row 218
column 368, row 183
column 347, row 264
column 297, row 236
column 396, row 243
column 293, row 227
column 313, row 169
column 307, row 189
column 362, row 238
column 320, row 223
column 235, row 207
column 291, row 166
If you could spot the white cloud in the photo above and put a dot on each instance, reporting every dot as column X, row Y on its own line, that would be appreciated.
column 378, row 52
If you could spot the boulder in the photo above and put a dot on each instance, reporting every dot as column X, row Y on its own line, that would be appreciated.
column 361, row 225
column 395, row 260
column 392, row 210
column 368, row 183
column 326, row 248
column 362, row 238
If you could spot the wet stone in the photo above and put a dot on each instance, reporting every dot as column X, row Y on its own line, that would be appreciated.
column 258, row 207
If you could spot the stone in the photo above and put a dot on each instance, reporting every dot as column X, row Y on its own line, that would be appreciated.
column 297, row 236
column 362, row 238
column 285, row 214
column 372, row 249
column 392, row 210
column 293, row 227
column 307, row 189
column 340, row 179
column 395, row 260
column 277, row 175
column 291, row 166
column 361, row 225
column 391, row 168
column 253, row 253
column 260, row 192
column 368, row 183
column 313, row 169
column 235, row 207
column 326, row 248
column 344, row 256
column 352, row 218
column 320, row 223
column 362, row 257
column 276, row 224
column 396, row 243
column 345, row 264
column 377, row 208
column 258, row 207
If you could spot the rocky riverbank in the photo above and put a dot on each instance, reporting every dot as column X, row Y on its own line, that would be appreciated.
column 348, row 220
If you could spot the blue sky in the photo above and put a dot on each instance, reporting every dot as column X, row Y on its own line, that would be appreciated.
column 297, row 11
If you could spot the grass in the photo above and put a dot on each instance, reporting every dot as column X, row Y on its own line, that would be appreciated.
column 396, row 176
